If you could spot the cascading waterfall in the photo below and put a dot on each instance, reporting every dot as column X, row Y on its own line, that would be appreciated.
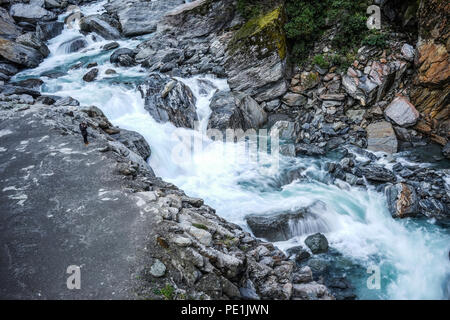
column 412, row 254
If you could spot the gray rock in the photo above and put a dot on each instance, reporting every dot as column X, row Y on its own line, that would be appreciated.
column 283, row 129
column 299, row 253
column 8, row 28
column 381, row 137
column 158, row 269
column 249, row 291
column 312, row 291
column 177, row 107
column 225, row 113
column 91, row 75
column 408, row 52
column 95, row 24
column 67, row 101
column 134, row 18
column 20, row 54
column 30, row 13
column 402, row 200
column 317, row 243
column 253, row 114
column 114, row 58
column 8, row 69
column 377, row 173
column 73, row 45
column 285, row 225
column 402, row 112
column 308, row 149
column 432, row 208
column 446, row 150
column 294, row 99
column 12, row 89
column 30, row 39
column 134, row 141
column 48, row 30
column 110, row 46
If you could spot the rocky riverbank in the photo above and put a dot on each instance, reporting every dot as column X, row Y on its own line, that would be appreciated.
column 368, row 119
column 101, row 207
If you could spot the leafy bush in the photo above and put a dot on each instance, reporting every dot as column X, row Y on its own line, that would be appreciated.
column 321, row 61
column 307, row 20
column 375, row 39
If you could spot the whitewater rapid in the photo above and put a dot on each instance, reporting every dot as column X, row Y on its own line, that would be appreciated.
column 412, row 255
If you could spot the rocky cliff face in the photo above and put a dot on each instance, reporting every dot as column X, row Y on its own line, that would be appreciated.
column 432, row 90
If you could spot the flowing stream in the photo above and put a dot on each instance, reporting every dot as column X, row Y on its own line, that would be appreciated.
column 412, row 254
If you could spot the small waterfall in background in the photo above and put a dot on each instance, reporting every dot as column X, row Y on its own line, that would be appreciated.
column 412, row 254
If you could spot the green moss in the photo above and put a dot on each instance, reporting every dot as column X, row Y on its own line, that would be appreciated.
column 264, row 31
column 200, row 226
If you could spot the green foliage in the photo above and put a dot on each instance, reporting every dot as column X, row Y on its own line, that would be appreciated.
column 307, row 20
column 322, row 61
column 167, row 292
column 249, row 8
column 375, row 39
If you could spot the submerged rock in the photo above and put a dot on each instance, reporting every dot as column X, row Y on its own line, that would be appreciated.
column 91, row 75
column 285, row 225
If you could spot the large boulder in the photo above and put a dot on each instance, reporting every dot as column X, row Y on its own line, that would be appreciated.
column 317, row 243
column 283, row 226
column 381, row 137
column 256, row 57
column 402, row 112
column 48, row 30
column 253, row 114
column 123, row 57
column 372, row 87
column 224, row 112
column 134, row 15
column 167, row 99
column 73, row 45
column 402, row 200
column 134, row 141
column 95, row 24
column 377, row 173
column 30, row 39
column 30, row 13
column 200, row 18
column 8, row 28
column 91, row 75
column 20, row 54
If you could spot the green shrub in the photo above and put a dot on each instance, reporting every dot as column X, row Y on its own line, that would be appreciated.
column 307, row 20
column 375, row 39
column 321, row 61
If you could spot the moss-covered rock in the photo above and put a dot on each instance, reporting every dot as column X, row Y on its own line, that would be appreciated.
column 256, row 56
column 265, row 32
